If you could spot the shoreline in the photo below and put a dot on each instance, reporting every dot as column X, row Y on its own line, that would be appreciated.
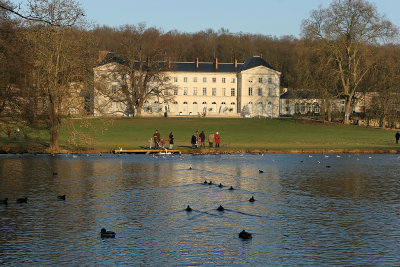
column 214, row 151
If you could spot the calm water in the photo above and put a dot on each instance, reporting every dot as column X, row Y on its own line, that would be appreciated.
column 304, row 213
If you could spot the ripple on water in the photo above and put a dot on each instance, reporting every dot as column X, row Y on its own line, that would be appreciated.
column 304, row 213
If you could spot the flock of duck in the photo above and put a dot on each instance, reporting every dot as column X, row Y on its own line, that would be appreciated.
column 103, row 232
column 243, row 234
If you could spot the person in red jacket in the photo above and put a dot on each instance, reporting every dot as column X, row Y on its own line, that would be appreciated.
column 217, row 139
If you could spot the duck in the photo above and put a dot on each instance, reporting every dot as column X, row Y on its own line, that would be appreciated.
column 220, row 208
column 260, row 171
column 205, row 182
column 252, row 199
column 104, row 233
column 54, row 173
column 188, row 208
column 61, row 197
column 22, row 200
column 220, row 185
column 210, row 183
column 328, row 166
column 245, row 235
column 190, row 168
column 5, row 201
column 231, row 188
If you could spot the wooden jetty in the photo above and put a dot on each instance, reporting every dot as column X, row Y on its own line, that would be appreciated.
column 146, row 151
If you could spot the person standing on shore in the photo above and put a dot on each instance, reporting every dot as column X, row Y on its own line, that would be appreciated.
column 194, row 140
column 211, row 139
column 202, row 138
column 397, row 136
column 217, row 139
column 156, row 138
column 171, row 140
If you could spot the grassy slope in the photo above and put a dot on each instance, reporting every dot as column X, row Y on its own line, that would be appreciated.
column 277, row 134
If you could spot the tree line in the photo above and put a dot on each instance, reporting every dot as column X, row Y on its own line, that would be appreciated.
column 48, row 51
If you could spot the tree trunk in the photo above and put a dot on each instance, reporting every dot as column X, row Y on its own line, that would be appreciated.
column 382, row 122
column 347, row 111
column 54, row 128
column 138, row 111
column 323, row 110
column 329, row 108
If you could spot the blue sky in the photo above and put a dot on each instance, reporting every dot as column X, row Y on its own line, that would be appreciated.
column 267, row 17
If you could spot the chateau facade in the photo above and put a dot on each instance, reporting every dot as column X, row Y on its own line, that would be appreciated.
column 209, row 89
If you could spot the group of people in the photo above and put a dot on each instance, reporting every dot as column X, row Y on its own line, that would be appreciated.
column 198, row 140
column 15, row 133
column 159, row 142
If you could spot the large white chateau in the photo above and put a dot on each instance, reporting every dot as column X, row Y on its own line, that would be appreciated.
column 209, row 89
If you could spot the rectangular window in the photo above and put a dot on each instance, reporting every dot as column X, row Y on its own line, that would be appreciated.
column 260, row 80
column 250, row 91
column 233, row 80
column 175, row 79
column 269, row 91
column 175, row 91
column 214, row 80
column 214, row 91
column 270, row 80
column 259, row 91
column 204, row 79
column 185, row 91
column 194, row 90
column 223, row 91
column 114, row 89
column 223, row 80
column 166, row 92
column 232, row 91
column 185, row 79
column 204, row 91
column 195, row 79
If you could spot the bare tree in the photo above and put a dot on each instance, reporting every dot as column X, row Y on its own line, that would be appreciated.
column 55, row 55
column 139, row 71
column 347, row 27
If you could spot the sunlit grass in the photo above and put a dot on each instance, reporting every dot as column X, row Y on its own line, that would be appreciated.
column 236, row 134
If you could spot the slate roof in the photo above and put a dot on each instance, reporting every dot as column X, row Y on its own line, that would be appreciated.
column 255, row 62
column 203, row 66
column 299, row 94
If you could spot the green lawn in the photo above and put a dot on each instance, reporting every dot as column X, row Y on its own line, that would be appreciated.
column 238, row 134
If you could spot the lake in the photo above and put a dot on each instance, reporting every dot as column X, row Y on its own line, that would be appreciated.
column 308, row 209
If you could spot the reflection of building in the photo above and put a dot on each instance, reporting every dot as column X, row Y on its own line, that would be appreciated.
column 202, row 89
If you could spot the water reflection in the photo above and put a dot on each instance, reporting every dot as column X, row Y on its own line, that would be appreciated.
column 304, row 213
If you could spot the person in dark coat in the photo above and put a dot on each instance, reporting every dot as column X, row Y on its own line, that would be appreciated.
column 194, row 140
column 171, row 140
column 156, row 137
column 202, row 137
column 397, row 137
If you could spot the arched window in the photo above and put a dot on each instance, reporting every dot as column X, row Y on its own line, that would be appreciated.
column 214, row 107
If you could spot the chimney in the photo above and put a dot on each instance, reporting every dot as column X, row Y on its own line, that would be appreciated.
column 235, row 63
column 216, row 63
column 102, row 55
column 197, row 63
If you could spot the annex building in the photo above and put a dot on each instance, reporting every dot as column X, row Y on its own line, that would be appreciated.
column 209, row 89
